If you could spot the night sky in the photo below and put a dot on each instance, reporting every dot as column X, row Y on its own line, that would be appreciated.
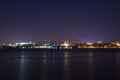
column 76, row 20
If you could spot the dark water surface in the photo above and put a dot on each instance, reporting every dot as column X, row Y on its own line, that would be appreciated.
column 35, row 65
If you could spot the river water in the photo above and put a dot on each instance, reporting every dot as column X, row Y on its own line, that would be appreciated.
column 35, row 65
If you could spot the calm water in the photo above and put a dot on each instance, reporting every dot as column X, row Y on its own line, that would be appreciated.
column 26, row 65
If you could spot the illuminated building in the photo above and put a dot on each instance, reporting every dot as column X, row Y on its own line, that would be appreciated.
column 23, row 43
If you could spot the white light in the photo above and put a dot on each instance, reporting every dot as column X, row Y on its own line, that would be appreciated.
column 23, row 43
column 118, row 44
column 99, row 41
column 66, row 44
column 89, row 43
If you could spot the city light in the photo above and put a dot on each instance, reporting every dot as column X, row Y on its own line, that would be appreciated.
column 66, row 44
column 60, row 45
column 23, row 43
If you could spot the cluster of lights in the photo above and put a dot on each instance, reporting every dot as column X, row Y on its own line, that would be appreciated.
column 23, row 43
column 66, row 44
column 63, row 45
column 118, row 44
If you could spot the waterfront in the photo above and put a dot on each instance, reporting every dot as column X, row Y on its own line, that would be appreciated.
column 35, row 65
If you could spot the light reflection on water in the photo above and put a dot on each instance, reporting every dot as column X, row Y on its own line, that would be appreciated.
column 118, row 65
column 90, row 66
column 25, row 65
column 22, row 65
column 45, row 66
column 66, row 66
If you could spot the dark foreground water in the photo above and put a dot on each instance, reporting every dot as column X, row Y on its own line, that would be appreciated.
column 35, row 65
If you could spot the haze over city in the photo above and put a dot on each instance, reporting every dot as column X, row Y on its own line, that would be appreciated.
column 77, row 20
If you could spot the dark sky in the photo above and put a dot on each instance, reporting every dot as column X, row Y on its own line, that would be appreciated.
column 81, row 20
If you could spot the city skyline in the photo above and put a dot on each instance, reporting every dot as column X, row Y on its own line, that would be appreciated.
column 82, row 20
column 68, row 40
